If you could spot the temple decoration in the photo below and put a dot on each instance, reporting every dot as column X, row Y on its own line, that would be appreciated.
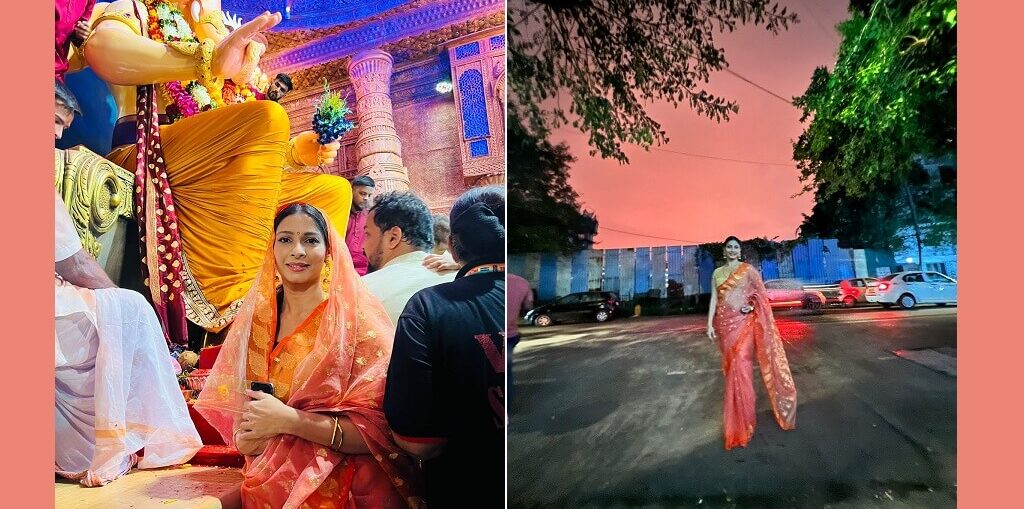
column 378, row 148
column 96, row 193
column 478, row 72
column 403, row 23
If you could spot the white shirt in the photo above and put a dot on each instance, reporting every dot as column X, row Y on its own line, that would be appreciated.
column 400, row 279
column 70, row 303
column 66, row 239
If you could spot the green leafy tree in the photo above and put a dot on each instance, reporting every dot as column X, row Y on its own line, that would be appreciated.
column 548, row 216
column 881, row 218
column 889, row 101
column 614, row 57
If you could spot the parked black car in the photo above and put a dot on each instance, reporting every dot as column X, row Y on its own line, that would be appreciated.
column 576, row 307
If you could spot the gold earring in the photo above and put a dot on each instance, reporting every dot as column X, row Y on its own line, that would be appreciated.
column 326, row 281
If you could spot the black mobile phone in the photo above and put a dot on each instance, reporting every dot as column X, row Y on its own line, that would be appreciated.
column 265, row 387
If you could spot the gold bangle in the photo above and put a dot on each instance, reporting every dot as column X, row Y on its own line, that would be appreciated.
column 204, row 60
column 204, row 63
column 334, row 430
column 122, row 17
column 215, row 19
column 341, row 436
column 185, row 48
column 253, row 51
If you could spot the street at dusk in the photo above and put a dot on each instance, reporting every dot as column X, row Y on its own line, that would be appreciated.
column 628, row 414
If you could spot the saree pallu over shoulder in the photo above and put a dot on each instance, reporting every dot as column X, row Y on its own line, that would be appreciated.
column 335, row 363
column 742, row 337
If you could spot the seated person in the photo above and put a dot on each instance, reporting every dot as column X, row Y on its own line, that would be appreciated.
column 318, row 344
column 115, row 386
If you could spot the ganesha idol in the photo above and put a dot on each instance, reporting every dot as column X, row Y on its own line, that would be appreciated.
column 211, row 162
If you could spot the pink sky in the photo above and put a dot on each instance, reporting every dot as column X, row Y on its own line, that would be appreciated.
column 694, row 200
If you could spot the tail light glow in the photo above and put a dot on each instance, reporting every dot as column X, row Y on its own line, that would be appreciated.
column 883, row 286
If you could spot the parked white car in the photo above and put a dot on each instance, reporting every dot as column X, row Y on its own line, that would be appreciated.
column 909, row 289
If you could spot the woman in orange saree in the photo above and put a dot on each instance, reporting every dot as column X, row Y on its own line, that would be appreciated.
column 321, row 344
column 740, row 320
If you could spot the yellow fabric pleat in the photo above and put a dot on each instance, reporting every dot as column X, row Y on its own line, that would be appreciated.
column 225, row 170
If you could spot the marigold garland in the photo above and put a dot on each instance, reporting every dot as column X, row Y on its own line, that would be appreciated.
column 184, row 99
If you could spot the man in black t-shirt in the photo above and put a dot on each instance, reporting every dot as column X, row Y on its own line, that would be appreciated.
column 445, row 397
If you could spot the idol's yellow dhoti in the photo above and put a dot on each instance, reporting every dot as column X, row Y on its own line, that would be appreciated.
column 329, row 193
column 225, row 170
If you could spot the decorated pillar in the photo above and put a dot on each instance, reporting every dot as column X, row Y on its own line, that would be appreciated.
column 378, row 149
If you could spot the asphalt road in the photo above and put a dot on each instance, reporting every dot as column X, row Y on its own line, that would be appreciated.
column 628, row 414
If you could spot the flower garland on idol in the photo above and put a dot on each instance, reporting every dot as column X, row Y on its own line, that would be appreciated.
column 184, row 99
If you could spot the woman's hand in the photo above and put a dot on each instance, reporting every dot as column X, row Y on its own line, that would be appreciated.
column 230, row 54
column 266, row 416
column 711, row 333
column 248, row 444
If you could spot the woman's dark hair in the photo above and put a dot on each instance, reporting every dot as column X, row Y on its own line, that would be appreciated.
column 309, row 210
column 63, row 96
column 478, row 224
column 406, row 211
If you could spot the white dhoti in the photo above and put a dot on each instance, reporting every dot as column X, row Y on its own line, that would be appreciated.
column 116, row 390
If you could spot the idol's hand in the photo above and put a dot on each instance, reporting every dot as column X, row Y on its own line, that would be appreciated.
column 266, row 416
column 309, row 152
column 229, row 56
column 206, row 18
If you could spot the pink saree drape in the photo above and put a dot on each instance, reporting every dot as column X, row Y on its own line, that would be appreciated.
column 741, row 337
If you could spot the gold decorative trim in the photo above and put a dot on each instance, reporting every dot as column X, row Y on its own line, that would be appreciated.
column 406, row 51
column 288, row 39
column 95, row 191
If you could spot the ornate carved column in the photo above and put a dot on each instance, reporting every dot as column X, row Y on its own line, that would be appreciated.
column 378, row 148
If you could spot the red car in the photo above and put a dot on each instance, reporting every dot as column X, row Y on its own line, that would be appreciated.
column 855, row 290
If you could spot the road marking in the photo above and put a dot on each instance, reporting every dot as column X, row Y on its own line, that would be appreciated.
column 536, row 382
column 693, row 372
column 869, row 320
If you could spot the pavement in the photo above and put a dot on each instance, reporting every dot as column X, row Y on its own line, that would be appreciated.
column 628, row 414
